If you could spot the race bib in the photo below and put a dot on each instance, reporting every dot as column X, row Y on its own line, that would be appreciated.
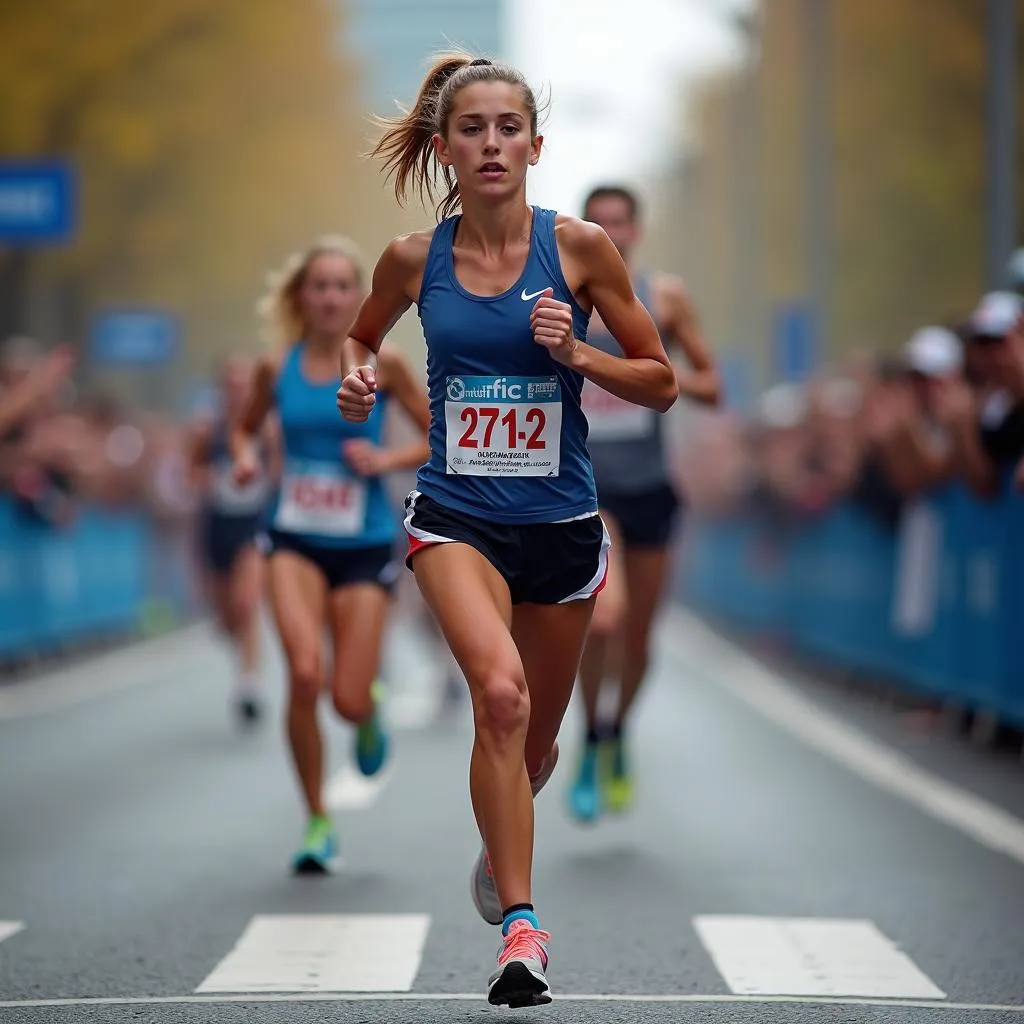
column 321, row 499
column 612, row 418
column 503, row 426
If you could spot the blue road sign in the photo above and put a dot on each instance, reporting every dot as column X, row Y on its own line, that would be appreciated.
column 134, row 337
column 795, row 343
column 38, row 201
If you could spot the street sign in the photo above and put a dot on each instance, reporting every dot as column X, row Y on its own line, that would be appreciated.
column 795, row 343
column 38, row 202
column 134, row 338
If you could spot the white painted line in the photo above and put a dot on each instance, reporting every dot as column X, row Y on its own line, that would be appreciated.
column 810, row 957
column 9, row 928
column 85, row 680
column 349, row 790
column 258, row 998
column 323, row 953
column 712, row 659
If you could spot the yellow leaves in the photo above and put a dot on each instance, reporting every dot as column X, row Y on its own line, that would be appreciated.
column 211, row 138
column 907, row 109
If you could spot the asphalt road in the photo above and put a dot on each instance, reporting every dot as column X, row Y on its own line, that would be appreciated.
column 792, row 857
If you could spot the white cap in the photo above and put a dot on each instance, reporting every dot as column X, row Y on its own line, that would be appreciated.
column 934, row 352
column 996, row 315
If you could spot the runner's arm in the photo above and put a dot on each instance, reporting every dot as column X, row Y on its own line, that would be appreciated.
column 644, row 375
column 393, row 287
column 396, row 377
column 258, row 403
column 700, row 382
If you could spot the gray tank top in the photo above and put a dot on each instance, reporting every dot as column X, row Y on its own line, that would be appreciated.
column 223, row 496
column 624, row 440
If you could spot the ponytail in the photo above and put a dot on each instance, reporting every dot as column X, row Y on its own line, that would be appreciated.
column 407, row 145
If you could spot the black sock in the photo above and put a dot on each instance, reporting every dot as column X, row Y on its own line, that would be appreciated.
column 593, row 735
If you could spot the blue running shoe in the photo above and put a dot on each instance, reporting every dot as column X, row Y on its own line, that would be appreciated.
column 371, row 739
column 585, row 795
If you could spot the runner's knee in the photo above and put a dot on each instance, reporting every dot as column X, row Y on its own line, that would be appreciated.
column 352, row 702
column 501, row 705
column 305, row 673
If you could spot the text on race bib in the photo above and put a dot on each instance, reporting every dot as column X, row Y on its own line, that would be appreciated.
column 611, row 418
column 503, row 426
column 321, row 499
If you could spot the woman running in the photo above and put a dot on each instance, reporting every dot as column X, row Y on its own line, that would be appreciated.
column 640, row 507
column 230, row 518
column 331, row 529
column 504, row 535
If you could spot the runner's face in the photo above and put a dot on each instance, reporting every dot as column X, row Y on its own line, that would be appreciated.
column 330, row 295
column 489, row 145
column 614, row 215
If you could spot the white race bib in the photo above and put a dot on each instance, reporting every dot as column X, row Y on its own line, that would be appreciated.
column 612, row 418
column 321, row 499
column 503, row 426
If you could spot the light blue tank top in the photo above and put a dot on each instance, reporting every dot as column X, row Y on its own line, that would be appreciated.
column 321, row 499
column 507, row 433
column 626, row 441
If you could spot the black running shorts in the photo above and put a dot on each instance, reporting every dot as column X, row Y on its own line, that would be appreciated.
column 542, row 563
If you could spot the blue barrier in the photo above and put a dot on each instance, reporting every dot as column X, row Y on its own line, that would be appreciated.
column 61, row 586
column 936, row 604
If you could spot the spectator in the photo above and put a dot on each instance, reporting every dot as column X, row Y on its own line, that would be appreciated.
column 986, row 421
column 913, row 446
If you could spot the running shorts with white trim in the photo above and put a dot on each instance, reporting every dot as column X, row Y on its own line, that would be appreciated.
column 542, row 563
column 340, row 567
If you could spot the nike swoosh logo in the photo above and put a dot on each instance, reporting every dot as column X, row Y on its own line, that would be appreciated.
column 532, row 295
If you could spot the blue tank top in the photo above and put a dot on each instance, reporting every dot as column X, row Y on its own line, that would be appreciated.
column 321, row 499
column 508, row 439
column 223, row 496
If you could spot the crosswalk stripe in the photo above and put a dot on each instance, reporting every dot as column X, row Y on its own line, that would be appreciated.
column 9, row 928
column 810, row 957
column 323, row 953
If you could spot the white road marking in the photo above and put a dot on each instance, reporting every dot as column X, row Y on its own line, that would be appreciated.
column 717, row 661
column 348, row 790
column 257, row 998
column 323, row 953
column 810, row 957
column 9, row 928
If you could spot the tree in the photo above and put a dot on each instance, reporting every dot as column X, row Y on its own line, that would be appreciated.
column 211, row 139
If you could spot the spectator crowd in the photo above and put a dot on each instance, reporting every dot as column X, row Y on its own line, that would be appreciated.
column 876, row 431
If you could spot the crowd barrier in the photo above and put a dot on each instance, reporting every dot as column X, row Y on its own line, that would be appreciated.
column 104, row 575
column 935, row 604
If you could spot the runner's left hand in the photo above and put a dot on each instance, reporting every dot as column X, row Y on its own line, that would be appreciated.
column 551, row 322
column 365, row 457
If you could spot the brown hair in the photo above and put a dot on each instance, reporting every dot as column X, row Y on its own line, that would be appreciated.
column 279, row 307
column 407, row 143
column 628, row 196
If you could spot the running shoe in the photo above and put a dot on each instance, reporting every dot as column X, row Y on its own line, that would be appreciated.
column 522, row 962
column 616, row 777
column 584, row 796
column 371, row 742
column 318, row 854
